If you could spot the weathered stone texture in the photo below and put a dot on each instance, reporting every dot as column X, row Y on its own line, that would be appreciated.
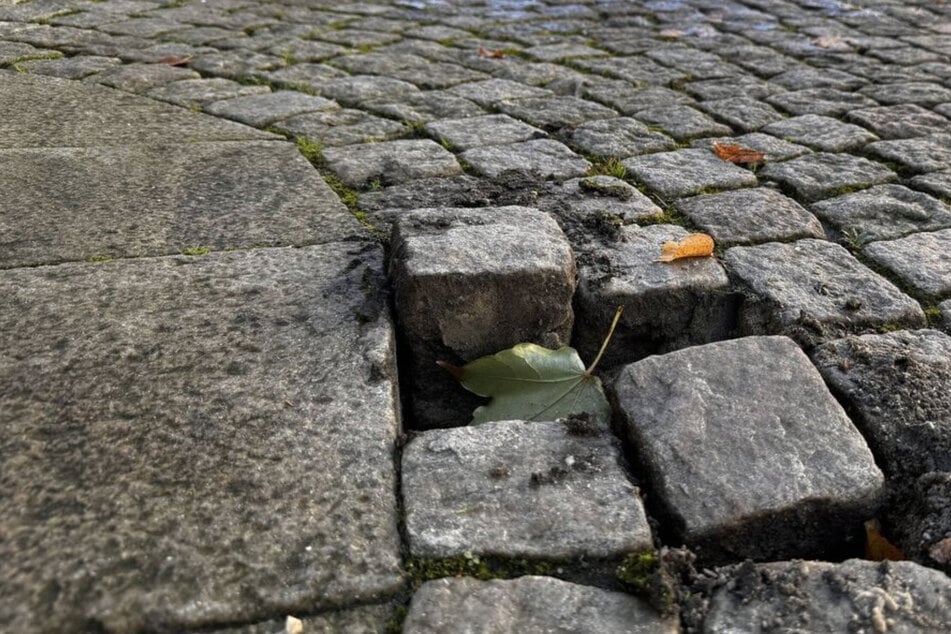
column 920, row 260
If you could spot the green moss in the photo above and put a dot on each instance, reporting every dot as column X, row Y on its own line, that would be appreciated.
column 422, row 570
column 611, row 166
column 394, row 625
column 365, row 48
column 853, row 238
column 347, row 195
column 891, row 326
column 670, row 217
column 845, row 189
column 446, row 143
column 312, row 150
column 32, row 57
column 196, row 250
column 933, row 315
column 100, row 258
column 637, row 569
column 415, row 128
column 375, row 185
column 288, row 58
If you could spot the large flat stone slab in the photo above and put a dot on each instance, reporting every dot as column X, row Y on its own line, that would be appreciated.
column 746, row 449
column 64, row 204
column 529, row 605
column 196, row 441
column 898, row 386
column 813, row 291
column 819, row 596
column 39, row 111
column 544, row 490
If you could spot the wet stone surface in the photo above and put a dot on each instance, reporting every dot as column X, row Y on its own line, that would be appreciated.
column 814, row 290
column 920, row 260
column 748, row 459
column 520, row 489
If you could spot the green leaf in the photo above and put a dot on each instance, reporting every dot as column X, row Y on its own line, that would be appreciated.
column 529, row 382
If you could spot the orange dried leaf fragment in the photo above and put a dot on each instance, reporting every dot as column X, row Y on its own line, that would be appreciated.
column 877, row 548
column 738, row 154
column 694, row 245
column 491, row 54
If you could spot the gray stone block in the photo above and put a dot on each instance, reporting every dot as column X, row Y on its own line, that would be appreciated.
column 627, row 100
column 70, row 67
column 686, row 172
column 425, row 106
column 562, row 51
column 263, row 110
column 818, row 596
column 529, row 605
column 140, row 78
column 882, row 212
column 619, row 137
column 898, row 388
column 746, row 449
column 923, row 154
column 369, row 619
column 667, row 305
column 936, row 183
column 918, row 92
column 31, row 116
column 901, row 121
column 920, row 260
column 681, row 122
column 491, row 91
column 774, row 149
column 472, row 282
column 946, row 315
column 67, row 204
column 545, row 157
column 554, row 113
column 820, row 132
column 342, row 126
column 813, row 291
column 808, row 77
column 592, row 197
column 520, row 489
column 390, row 162
column 742, row 113
column 198, row 92
column 491, row 129
column 750, row 216
column 823, row 101
column 193, row 452
column 356, row 89
column 822, row 175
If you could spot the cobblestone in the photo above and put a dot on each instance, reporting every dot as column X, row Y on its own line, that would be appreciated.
column 685, row 172
column 918, row 260
column 817, row 176
column 822, row 133
column 546, row 157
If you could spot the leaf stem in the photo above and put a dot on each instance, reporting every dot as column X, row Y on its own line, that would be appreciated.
column 607, row 339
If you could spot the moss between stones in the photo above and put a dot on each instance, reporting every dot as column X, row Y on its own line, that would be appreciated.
column 196, row 250
column 422, row 570
column 610, row 166
column 933, row 315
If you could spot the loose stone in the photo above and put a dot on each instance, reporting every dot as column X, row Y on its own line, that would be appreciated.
column 390, row 162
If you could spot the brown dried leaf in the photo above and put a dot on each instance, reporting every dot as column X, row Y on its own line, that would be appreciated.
column 492, row 54
column 694, row 245
column 738, row 154
column 877, row 548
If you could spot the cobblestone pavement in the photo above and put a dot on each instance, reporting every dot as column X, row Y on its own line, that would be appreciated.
column 218, row 398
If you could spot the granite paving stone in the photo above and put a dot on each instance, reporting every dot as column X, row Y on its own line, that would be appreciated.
column 822, row 133
column 341, row 127
column 920, row 260
column 562, row 51
column 627, row 99
column 823, row 175
column 946, row 315
column 898, row 388
column 936, row 183
column 265, row 109
column 198, row 92
column 619, row 137
column 140, row 78
column 390, row 161
column 773, row 148
column 69, row 67
column 685, row 172
column 423, row 107
column 491, row 91
column 31, row 117
column 921, row 93
column 923, row 154
column 681, row 122
column 813, row 290
column 236, row 64
column 900, row 121
column 66, row 204
column 666, row 305
column 745, row 114
column 529, row 604
column 305, row 50
column 491, row 129
column 520, row 489
column 312, row 76
column 553, row 113
column 819, row 596
column 472, row 282
column 636, row 69
column 155, row 53
column 218, row 482
column 729, row 87
column 823, row 101
column 545, row 157
column 142, row 27
column 750, row 216
column 807, row 77
column 355, row 38
column 598, row 196
column 13, row 53
column 354, row 90
column 882, row 212
column 735, row 449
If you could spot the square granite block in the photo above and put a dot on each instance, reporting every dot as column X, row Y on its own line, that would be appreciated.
column 542, row 490
column 919, row 92
column 198, row 92
column 742, row 113
column 746, row 450
column 529, row 605
column 667, row 305
column 620, row 137
column 882, row 212
column 823, row 101
column 681, row 122
column 341, row 126
column 490, row 129
column 813, row 290
column 391, row 162
column 898, row 387
column 920, row 260
column 263, row 110
column 901, row 121
column 425, row 106
column 554, row 113
column 750, row 216
column 936, row 183
column 822, row 133
column 686, row 172
column 545, row 157
column 591, row 197
column 923, row 154
column 491, row 91
column 822, row 175
column 473, row 282
column 774, row 149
